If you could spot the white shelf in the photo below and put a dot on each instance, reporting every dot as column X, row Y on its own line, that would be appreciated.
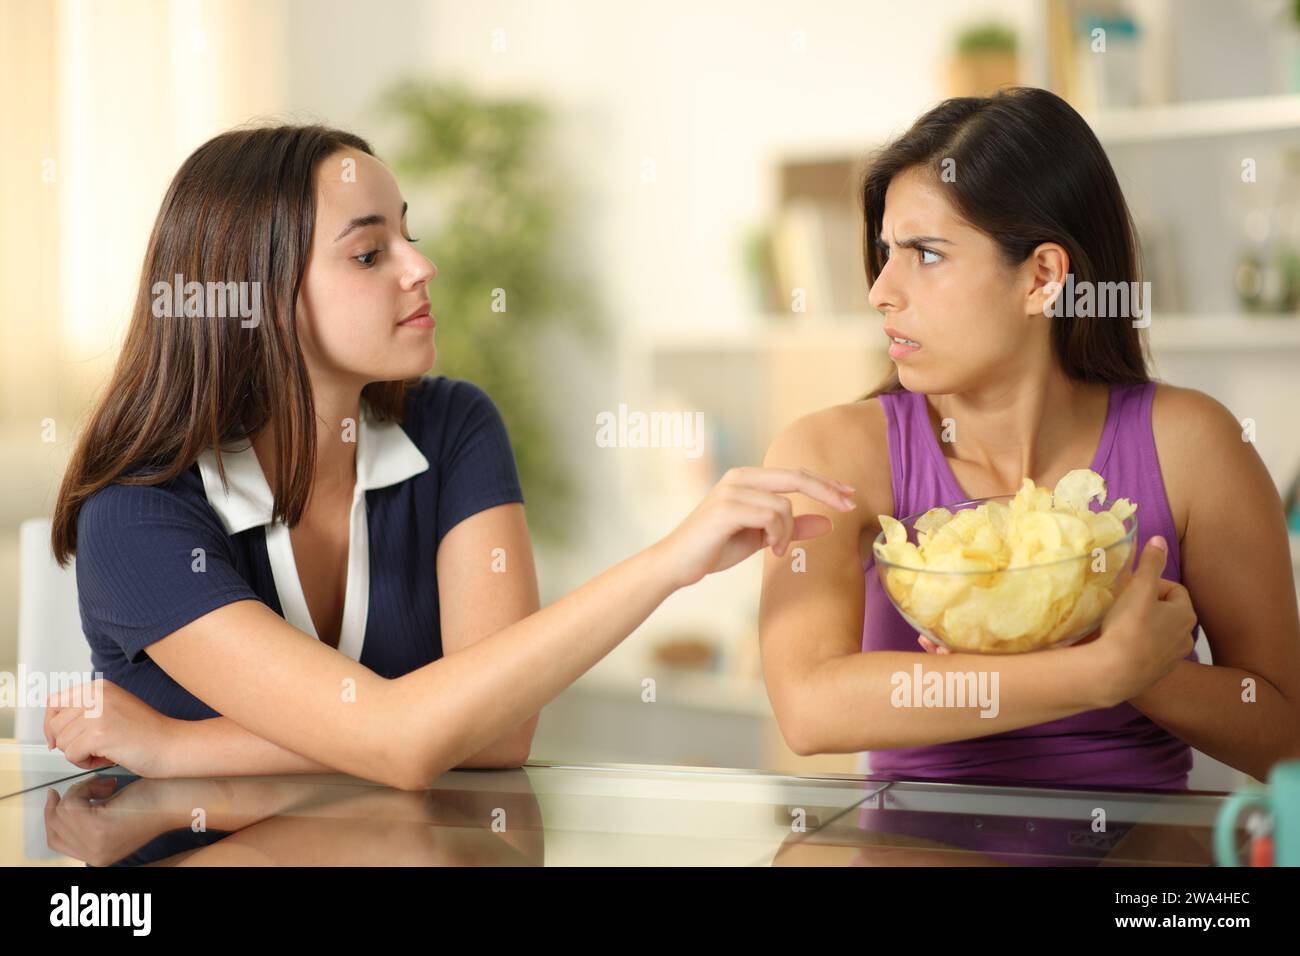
column 1168, row 333
column 1252, row 114
column 1197, row 333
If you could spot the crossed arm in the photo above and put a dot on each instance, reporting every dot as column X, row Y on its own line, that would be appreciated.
column 1236, row 565
column 1244, row 710
column 474, row 601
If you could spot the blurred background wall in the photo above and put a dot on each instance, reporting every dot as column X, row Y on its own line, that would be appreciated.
column 706, row 225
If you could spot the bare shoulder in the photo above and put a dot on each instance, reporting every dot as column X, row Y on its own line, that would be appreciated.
column 848, row 442
column 1178, row 412
column 1190, row 429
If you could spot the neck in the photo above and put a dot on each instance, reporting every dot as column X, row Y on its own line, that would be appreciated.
column 336, row 443
column 1023, row 426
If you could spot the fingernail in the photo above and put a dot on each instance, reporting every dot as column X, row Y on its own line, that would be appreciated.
column 1158, row 542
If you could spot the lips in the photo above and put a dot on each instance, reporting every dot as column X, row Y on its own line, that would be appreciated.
column 898, row 338
column 420, row 316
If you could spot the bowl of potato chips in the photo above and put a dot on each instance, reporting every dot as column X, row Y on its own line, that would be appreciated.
column 1013, row 573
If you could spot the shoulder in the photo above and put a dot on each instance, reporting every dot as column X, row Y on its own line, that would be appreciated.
column 118, row 502
column 1187, row 425
column 436, row 402
column 126, row 517
column 443, row 414
column 1191, row 428
column 848, row 442
column 1183, row 413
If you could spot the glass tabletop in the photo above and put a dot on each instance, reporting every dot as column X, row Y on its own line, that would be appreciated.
column 925, row 823
column 558, row 814
column 23, row 766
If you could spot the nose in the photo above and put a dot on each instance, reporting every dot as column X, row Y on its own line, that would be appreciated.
column 419, row 270
column 884, row 295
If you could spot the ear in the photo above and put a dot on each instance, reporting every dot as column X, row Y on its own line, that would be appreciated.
column 1047, row 266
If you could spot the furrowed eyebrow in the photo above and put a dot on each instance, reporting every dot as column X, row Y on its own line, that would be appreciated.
column 374, row 219
column 913, row 242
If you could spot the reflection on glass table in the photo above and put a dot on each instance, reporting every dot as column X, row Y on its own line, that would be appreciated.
column 23, row 766
column 604, row 815
column 540, row 815
column 920, row 823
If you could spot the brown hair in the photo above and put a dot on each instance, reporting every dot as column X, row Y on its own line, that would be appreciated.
column 1030, row 170
column 241, row 208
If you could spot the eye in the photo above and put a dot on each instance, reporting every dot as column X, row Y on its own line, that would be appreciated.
column 928, row 252
column 367, row 262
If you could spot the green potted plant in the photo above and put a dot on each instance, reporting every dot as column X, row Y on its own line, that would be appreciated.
column 985, row 60
column 490, row 215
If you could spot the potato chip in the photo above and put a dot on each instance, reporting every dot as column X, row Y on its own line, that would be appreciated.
column 932, row 520
column 1077, row 488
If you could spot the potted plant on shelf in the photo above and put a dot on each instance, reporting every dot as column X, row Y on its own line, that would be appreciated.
column 985, row 60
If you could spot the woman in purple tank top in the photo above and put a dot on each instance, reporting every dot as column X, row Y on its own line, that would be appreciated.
column 1002, row 256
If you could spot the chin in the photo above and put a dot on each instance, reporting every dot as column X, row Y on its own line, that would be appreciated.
column 414, row 362
column 914, row 382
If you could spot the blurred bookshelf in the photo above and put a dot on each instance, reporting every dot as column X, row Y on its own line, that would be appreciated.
column 1182, row 331
column 1200, row 119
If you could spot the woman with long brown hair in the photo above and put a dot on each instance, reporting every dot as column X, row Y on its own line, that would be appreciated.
column 295, row 551
column 976, row 221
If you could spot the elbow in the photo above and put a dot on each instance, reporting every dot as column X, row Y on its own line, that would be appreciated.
column 793, row 705
column 516, row 757
column 800, row 743
column 795, row 731
column 413, row 772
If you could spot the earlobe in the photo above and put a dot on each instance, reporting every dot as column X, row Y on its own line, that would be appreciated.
column 1045, row 298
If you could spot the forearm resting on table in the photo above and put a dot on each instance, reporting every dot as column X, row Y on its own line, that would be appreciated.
column 219, row 747
column 1202, row 704
column 846, row 704
column 408, row 730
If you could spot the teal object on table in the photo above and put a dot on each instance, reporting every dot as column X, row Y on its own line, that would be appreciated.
column 1280, row 799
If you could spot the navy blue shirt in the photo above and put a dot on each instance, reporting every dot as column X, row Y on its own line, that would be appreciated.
column 140, row 577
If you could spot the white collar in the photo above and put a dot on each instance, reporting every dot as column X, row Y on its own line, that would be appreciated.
column 385, row 456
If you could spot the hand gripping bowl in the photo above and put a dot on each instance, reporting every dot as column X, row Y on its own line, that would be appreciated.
column 1000, row 594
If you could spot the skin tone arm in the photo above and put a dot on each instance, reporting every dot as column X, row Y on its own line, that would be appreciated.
column 1236, row 563
column 476, row 601
column 829, row 697
column 279, row 684
column 473, row 601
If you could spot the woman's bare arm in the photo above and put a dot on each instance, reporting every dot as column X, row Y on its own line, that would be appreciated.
column 829, row 696
column 284, row 686
column 475, row 598
column 486, row 582
column 281, row 685
column 1236, row 564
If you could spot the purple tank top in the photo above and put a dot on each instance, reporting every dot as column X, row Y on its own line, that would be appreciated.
column 1116, row 747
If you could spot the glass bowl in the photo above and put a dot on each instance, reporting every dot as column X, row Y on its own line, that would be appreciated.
column 1012, row 611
